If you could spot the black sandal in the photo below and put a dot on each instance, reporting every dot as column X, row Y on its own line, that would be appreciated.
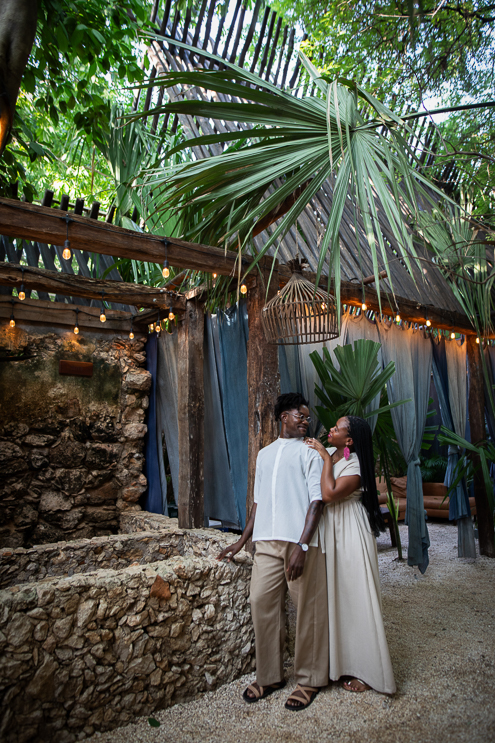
column 307, row 695
column 260, row 692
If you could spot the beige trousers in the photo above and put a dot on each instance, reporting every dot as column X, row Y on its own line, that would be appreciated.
column 309, row 594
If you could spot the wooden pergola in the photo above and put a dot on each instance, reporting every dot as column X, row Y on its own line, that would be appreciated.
column 35, row 223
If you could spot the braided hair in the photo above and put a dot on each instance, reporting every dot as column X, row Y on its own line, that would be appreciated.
column 360, row 432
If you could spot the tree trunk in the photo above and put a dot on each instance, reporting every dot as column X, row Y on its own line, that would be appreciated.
column 262, row 377
column 476, row 409
column 191, row 417
column 17, row 31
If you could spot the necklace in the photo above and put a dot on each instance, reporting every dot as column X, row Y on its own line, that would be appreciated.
column 334, row 459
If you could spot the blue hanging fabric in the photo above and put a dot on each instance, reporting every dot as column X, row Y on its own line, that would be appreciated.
column 219, row 496
column 233, row 334
column 153, row 497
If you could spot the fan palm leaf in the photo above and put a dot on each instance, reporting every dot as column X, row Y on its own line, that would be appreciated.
column 343, row 133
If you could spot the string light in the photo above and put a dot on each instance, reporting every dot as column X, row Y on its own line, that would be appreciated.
column 21, row 294
column 428, row 323
column 76, row 327
column 66, row 253
column 477, row 340
column 12, row 320
column 243, row 289
column 214, row 275
column 166, row 270
column 171, row 315
column 103, row 317
column 397, row 318
column 158, row 324
column 452, row 336
column 364, row 306
column 131, row 334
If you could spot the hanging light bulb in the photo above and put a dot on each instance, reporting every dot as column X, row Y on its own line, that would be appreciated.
column 214, row 275
column 364, row 306
column 131, row 334
column 22, row 294
column 12, row 320
column 243, row 289
column 397, row 318
column 452, row 336
column 76, row 326
column 166, row 270
column 477, row 340
column 323, row 306
column 103, row 317
column 171, row 315
column 428, row 323
column 66, row 254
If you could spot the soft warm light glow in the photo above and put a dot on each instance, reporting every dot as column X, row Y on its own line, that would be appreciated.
column 397, row 318
column 428, row 323
column 22, row 295
column 364, row 306
column 76, row 330
column 452, row 335
column 12, row 323
column 323, row 306
column 158, row 327
column 66, row 254
column 103, row 317
column 131, row 335
column 166, row 272
column 215, row 275
column 171, row 316
column 477, row 340
column 244, row 289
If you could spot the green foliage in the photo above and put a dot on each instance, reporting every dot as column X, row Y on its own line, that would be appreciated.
column 433, row 468
column 83, row 52
column 352, row 390
column 467, row 467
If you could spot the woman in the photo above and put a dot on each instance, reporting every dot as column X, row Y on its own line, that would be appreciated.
column 352, row 518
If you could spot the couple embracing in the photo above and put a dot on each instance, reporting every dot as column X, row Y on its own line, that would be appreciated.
column 314, row 522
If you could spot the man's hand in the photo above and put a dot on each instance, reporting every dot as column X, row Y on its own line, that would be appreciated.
column 231, row 552
column 296, row 563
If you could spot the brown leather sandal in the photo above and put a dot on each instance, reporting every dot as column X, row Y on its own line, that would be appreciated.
column 303, row 695
column 260, row 692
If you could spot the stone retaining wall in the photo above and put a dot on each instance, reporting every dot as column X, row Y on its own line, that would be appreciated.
column 70, row 447
column 92, row 651
column 114, row 552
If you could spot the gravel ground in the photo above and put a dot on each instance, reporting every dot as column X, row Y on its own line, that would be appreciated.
column 441, row 632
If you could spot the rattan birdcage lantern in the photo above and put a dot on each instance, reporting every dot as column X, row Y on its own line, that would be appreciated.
column 300, row 313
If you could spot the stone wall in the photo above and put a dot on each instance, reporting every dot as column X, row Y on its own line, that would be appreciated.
column 92, row 651
column 64, row 559
column 70, row 447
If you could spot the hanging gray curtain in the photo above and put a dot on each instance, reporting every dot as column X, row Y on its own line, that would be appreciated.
column 233, row 334
column 167, row 406
column 219, row 500
column 411, row 353
column 450, row 385
column 360, row 327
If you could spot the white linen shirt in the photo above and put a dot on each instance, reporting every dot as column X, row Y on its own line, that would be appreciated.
column 287, row 480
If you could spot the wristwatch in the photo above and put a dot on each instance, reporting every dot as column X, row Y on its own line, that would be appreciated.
column 304, row 547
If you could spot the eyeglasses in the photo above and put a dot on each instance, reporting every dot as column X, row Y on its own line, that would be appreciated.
column 300, row 417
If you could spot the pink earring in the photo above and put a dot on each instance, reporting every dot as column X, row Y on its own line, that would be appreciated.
column 347, row 453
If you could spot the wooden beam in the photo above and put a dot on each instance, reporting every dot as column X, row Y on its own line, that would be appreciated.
column 60, row 314
column 262, row 378
column 191, row 416
column 137, row 295
column 476, row 410
column 32, row 222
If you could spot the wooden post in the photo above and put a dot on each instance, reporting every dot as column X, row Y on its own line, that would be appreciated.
column 191, row 416
column 476, row 409
column 262, row 375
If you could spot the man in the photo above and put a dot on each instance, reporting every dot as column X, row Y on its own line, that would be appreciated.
column 283, row 521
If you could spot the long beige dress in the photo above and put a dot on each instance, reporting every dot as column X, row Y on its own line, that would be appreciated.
column 358, row 645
